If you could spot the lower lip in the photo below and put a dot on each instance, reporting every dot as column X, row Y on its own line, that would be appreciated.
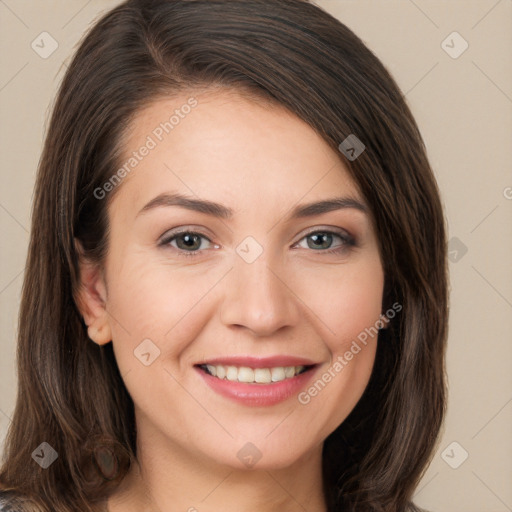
column 258, row 394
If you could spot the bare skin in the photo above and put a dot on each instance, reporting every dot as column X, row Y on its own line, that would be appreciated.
column 294, row 299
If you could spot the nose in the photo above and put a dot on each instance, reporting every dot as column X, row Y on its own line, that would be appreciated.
column 259, row 296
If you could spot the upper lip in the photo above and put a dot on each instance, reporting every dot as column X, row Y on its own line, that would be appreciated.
column 259, row 362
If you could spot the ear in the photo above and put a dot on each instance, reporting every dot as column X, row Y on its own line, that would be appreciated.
column 91, row 298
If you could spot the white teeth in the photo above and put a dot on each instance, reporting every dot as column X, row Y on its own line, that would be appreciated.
column 220, row 371
column 289, row 371
column 232, row 373
column 278, row 374
column 262, row 375
column 256, row 375
column 245, row 374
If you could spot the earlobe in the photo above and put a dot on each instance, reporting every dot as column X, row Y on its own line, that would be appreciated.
column 100, row 335
column 91, row 299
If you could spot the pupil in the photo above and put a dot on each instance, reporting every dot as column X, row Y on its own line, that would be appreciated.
column 318, row 238
column 189, row 240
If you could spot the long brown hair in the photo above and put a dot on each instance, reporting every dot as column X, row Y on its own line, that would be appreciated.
column 70, row 392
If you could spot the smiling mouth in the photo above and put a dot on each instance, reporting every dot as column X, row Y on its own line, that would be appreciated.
column 249, row 375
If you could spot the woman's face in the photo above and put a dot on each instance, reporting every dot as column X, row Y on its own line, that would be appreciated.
column 211, row 262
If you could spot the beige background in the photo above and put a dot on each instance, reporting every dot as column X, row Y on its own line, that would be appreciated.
column 464, row 108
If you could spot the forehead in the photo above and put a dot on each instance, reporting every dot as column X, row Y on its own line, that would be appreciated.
column 225, row 147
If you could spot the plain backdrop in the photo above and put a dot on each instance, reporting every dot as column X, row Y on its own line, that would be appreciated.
column 453, row 61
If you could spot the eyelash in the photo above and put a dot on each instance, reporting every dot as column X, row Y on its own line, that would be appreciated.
column 348, row 241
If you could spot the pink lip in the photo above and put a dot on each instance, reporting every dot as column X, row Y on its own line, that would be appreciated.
column 259, row 362
column 258, row 394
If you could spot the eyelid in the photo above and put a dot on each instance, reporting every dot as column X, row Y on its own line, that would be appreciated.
column 170, row 233
column 166, row 239
column 198, row 231
column 343, row 233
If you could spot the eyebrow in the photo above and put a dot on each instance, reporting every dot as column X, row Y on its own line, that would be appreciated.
column 223, row 212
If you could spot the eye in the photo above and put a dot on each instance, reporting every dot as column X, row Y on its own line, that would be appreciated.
column 191, row 243
column 188, row 243
column 324, row 241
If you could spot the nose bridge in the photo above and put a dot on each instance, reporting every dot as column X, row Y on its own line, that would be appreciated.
column 257, row 295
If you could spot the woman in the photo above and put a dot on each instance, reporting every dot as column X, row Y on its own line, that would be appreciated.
column 236, row 291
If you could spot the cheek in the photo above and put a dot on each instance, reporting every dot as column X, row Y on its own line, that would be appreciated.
column 345, row 302
column 171, row 306
column 348, row 308
column 158, row 302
